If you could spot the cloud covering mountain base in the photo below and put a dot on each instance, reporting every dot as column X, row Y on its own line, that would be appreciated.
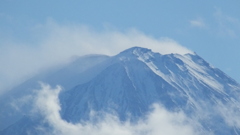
column 157, row 122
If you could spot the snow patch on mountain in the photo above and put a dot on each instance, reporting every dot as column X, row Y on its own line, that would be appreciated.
column 130, row 78
column 199, row 72
column 144, row 57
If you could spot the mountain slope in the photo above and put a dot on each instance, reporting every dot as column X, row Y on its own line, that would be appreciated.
column 128, row 83
column 16, row 103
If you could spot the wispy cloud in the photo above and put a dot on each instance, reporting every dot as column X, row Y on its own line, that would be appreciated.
column 197, row 23
column 59, row 42
column 230, row 113
column 158, row 122
column 227, row 25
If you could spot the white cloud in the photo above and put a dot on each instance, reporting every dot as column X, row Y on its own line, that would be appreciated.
column 107, row 42
column 197, row 23
column 158, row 122
column 230, row 113
column 59, row 42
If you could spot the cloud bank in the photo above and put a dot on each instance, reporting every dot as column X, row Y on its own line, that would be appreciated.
column 158, row 122
column 56, row 43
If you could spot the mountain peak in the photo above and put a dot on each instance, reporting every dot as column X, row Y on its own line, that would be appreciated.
column 135, row 49
column 135, row 53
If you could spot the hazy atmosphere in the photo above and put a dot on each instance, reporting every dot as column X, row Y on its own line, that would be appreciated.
column 36, row 35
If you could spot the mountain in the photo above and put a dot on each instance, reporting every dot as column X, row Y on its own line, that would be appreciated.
column 16, row 102
column 130, row 82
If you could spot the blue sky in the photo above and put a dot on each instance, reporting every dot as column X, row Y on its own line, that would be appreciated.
column 211, row 29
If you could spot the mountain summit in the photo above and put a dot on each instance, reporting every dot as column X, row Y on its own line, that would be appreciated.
column 129, row 83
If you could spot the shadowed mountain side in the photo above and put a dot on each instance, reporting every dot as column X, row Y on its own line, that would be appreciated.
column 17, row 102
